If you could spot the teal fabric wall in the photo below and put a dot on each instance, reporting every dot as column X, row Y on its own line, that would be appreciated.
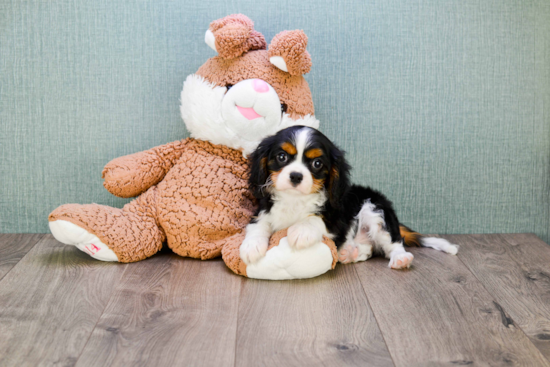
column 442, row 104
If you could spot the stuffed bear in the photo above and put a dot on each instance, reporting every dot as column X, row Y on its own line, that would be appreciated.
column 193, row 194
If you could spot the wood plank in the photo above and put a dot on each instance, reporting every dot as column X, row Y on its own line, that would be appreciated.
column 50, row 302
column 325, row 321
column 169, row 311
column 13, row 247
column 515, row 269
column 438, row 313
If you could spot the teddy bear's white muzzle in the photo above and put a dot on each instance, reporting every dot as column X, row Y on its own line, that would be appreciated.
column 250, row 107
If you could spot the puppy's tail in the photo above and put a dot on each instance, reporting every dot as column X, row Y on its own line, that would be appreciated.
column 415, row 239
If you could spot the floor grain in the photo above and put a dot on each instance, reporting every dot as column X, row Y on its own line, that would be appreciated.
column 515, row 269
column 168, row 311
column 326, row 321
column 13, row 247
column 50, row 303
column 487, row 306
column 438, row 313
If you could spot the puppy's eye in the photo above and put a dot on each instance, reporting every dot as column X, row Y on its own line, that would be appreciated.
column 317, row 164
column 284, row 107
column 282, row 157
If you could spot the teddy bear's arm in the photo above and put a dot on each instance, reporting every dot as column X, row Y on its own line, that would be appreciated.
column 130, row 175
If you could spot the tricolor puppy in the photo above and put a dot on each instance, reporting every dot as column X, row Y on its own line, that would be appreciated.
column 301, row 180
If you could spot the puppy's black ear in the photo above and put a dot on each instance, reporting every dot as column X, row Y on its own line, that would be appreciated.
column 338, row 182
column 259, row 173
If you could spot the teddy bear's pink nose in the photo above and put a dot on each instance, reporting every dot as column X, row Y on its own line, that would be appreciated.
column 260, row 86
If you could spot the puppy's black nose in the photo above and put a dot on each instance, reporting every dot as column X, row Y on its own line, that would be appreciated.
column 296, row 178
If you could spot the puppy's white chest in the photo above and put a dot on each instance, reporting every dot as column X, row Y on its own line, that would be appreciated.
column 290, row 209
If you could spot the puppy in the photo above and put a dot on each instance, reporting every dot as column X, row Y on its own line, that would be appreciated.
column 301, row 180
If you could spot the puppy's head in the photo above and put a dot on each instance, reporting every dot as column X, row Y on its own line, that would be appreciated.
column 301, row 161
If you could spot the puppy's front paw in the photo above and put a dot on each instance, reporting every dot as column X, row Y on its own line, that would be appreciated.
column 402, row 260
column 303, row 235
column 253, row 249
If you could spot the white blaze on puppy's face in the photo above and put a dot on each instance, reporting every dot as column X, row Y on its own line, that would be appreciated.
column 296, row 177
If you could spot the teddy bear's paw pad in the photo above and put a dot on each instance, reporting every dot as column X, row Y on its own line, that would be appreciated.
column 402, row 260
column 71, row 234
column 354, row 252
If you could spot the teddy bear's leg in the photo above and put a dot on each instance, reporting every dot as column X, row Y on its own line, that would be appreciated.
column 130, row 234
column 71, row 234
column 230, row 254
column 282, row 261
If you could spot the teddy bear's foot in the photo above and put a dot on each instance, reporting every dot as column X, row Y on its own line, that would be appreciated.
column 132, row 232
column 282, row 261
column 71, row 234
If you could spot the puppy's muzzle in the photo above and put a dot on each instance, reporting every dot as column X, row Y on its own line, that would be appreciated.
column 296, row 178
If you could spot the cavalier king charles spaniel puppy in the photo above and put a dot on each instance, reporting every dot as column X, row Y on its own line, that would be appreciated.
column 301, row 180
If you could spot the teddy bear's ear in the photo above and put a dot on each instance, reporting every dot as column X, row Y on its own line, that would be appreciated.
column 287, row 51
column 234, row 35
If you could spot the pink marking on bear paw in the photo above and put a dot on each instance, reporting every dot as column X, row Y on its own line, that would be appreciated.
column 91, row 249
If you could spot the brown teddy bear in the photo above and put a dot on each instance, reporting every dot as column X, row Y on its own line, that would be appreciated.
column 193, row 193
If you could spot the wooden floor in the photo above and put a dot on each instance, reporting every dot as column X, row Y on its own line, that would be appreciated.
column 488, row 306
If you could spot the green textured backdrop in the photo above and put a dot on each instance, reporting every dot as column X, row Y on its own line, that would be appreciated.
column 443, row 105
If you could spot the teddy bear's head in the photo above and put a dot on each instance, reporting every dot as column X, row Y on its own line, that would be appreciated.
column 248, row 92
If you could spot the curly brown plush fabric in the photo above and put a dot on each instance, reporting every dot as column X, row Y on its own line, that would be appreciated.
column 232, row 258
column 130, row 175
column 293, row 90
column 235, row 35
column 291, row 46
column 131, row 232
column 201, row 202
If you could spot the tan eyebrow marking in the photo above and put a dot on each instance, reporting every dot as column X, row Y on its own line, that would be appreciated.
column 289, row 148
column 314, row 153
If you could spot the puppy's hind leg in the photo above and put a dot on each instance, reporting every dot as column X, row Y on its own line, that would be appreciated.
column 358, row 246
column 383, row 229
